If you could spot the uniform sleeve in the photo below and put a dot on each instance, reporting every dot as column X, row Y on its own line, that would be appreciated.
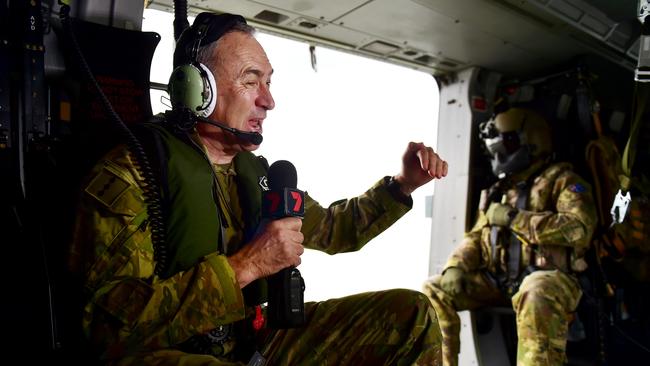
column 468, row 256
column 570, row 222
column 348, row 224
column 128, row 307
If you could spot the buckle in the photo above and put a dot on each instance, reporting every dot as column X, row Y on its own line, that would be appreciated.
column 620, row 207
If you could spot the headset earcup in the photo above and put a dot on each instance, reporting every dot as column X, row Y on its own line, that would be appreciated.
column 193, row 86
column 185, row 88
column 210, row 101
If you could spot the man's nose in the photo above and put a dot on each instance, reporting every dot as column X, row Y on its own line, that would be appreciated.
column 265, row 99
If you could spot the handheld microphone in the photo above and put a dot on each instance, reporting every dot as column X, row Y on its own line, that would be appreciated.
column 286, row 307
column 250, row 137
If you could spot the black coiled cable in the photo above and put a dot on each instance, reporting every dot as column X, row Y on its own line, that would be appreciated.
column 150, row 185
column 180, row 18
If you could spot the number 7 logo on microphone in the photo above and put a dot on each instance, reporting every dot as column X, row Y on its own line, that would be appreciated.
column 298, row 208
column 289, row 202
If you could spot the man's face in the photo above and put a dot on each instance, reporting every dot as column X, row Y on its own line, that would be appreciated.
column 243, row 76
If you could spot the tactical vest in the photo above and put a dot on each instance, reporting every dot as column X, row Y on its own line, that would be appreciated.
column 193, row 221
column 505, row 245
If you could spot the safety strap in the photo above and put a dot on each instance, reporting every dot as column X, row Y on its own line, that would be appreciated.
column 603, row 160
column 514, row 247
column 494, row 239
column 584, row 105
column 629, row 154
column 514, row 244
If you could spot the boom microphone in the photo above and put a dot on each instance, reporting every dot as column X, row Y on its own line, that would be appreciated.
column 254, row 138
column 286, row 308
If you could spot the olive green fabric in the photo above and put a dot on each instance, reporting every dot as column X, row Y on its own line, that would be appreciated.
column 452, row 281
column 192, row 223
column 499, row 214
column 232, row 229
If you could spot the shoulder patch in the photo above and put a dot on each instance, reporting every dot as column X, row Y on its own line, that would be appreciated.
column 577, row 188
column 107, row 187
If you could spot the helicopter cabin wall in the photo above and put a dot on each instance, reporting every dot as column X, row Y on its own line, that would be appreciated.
column 466, row 99
column 126, row 14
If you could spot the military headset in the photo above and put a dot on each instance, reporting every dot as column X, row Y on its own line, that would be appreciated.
column 192, row 86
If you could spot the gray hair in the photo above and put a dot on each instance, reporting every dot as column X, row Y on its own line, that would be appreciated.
column 205, row 54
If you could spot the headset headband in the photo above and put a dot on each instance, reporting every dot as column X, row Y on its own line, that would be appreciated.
column 207, row 28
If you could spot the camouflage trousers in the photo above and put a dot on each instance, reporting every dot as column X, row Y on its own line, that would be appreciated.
column 543, row 306
column 394, row 327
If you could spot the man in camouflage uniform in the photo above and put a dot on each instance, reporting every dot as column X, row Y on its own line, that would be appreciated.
column 533, row 227
column 197, row 311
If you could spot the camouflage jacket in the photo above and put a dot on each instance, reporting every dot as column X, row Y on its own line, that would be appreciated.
column 129, row 309
column 558, row 221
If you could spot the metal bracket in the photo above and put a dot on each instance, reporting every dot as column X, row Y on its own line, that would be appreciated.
column 642, row 71
column 620, row 206
column 644, row 10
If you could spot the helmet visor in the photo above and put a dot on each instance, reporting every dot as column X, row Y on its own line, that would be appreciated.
column 502, row 143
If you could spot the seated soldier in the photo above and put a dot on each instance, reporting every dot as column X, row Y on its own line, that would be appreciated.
column 534, row 225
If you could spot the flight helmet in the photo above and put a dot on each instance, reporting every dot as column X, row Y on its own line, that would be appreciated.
column 515, row 139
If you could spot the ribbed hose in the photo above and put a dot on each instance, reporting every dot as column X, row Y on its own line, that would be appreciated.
column 180, row 18
column 150, row 186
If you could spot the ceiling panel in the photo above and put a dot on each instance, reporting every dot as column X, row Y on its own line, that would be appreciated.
column 290, row 24
column 491, row 35
column 328, row 10
column 510, row 36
